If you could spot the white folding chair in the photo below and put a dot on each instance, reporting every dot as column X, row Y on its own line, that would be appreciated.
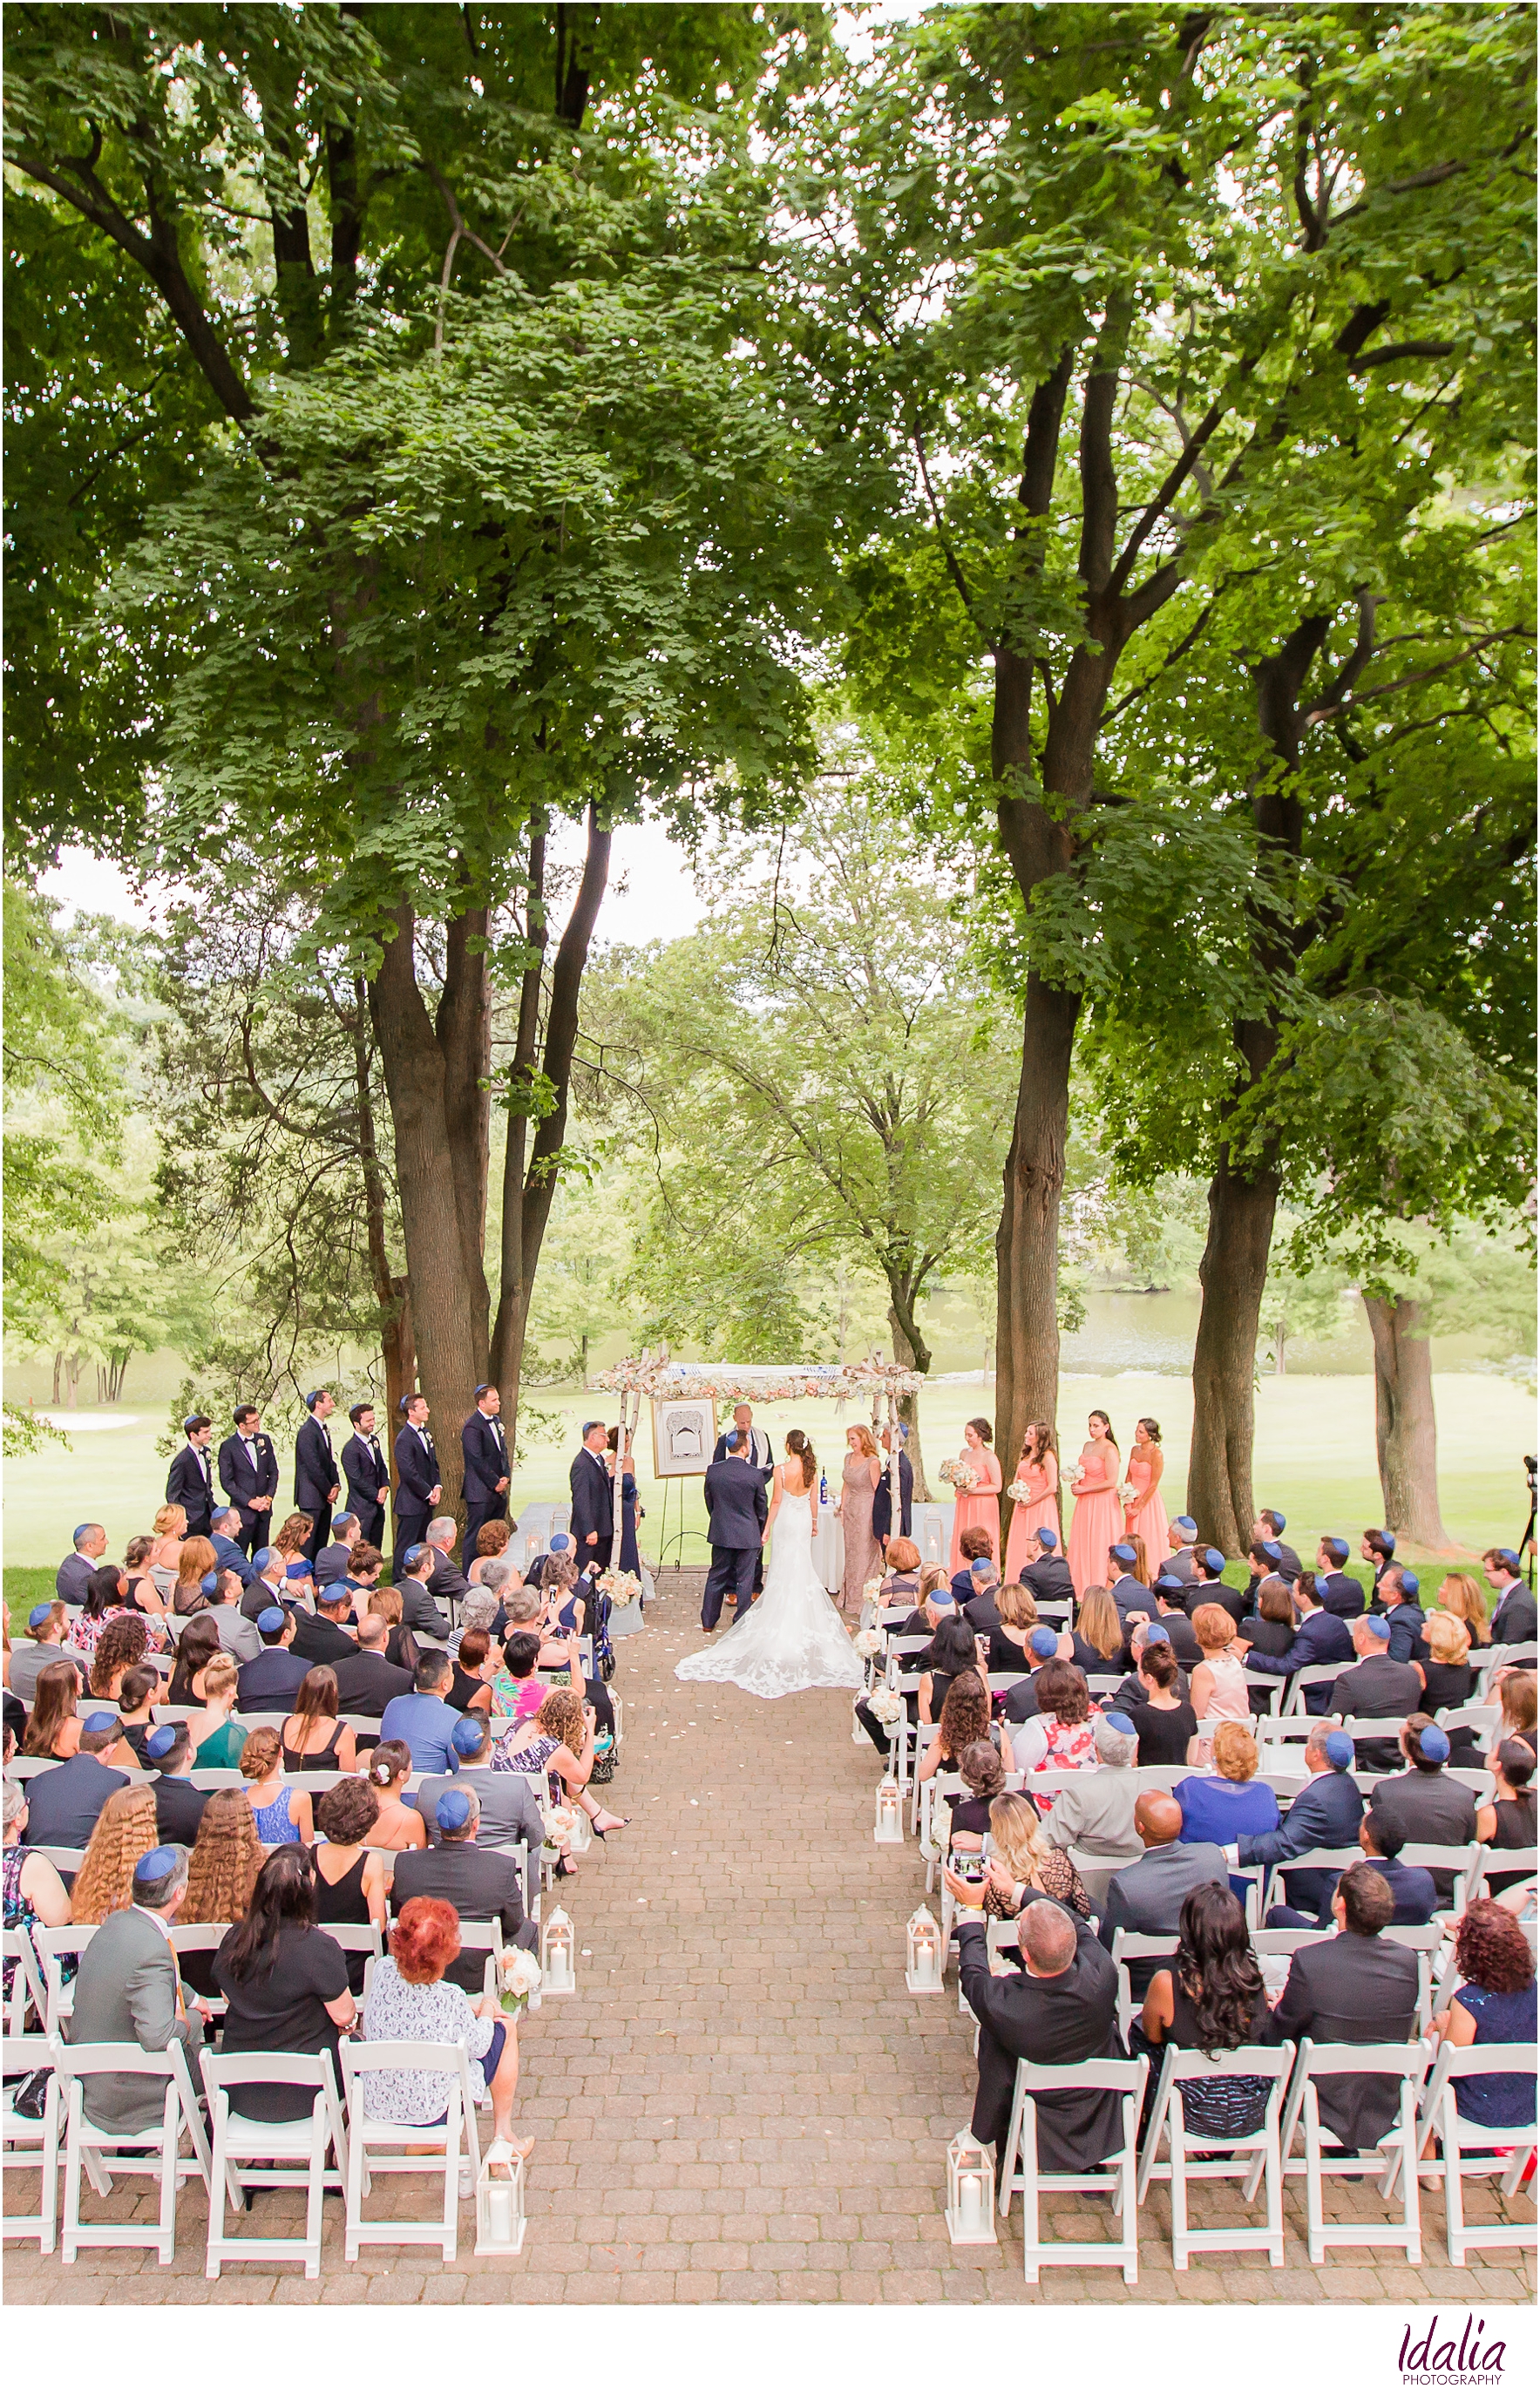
column 27, row 1988
column 1465, row 1863
column 376, row 2147
column 1311, row 1675
column 32, row 2145
column 1324, row 2157
column 1481, row 1719
column 1019, row 2172
column 1522, row 1861
column 1250, row 2158
column 249, row 2154
column 1315, row 1859
column 53, row 1947
column 94, row 2148
column 936, row 1819
column 31, row 1767
column 1271, row 1687
column 1134, row 1946
column 1470, row 2147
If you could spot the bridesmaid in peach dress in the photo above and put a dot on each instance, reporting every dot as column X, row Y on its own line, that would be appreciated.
column 1038, row 1470
column 979, row 1507
column 1098, row 1508
column 1145, row 1517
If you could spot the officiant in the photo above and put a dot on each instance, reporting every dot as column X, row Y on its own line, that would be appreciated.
column 882, row 1502
column 755, row 1452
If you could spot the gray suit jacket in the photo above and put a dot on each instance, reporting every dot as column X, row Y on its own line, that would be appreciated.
column 1096, row 1814
column 237, row 1636
column 508, row 1810
column 125, row 1994
column 1149, row 1895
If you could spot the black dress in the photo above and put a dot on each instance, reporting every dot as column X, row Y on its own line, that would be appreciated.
column 462, row 1689
column 1218, row 2108
column 1445, row 1684
column 1513, row 1834
column 325, row 1761
column 283, row 2011
column 1163, row 1736
column 344, row 1901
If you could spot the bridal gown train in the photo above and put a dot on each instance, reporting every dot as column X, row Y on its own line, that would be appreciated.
column 791, row 1637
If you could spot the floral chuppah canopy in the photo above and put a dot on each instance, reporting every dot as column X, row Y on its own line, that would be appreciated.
column 658, row 1376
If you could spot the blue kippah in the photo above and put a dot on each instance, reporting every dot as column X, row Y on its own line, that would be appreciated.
column 1047, row 1537
column 1213, row 1559
column 558, row 1543
column 271, row 1618
column 982, row 1563
column 1168, row 1581
column 157, row 1864
column 1280, row 1521
column 412, row 1558
column 1188, row 1526
column 1336, row 1549
column 1389, row 1539
column 1377, row 1624
column 210, row 1583
column 1409, row 1583
column 1156, row 1634
column 262, row 1556
column 452, row 1809
column 1271, row 1549
column 1044, row 1641
column 1123, row 1555
column 1120, row 1723
column 1509, row 1560
column 39, row 1614
column 95, row 1722
column 1434, row 1744
column 160, row 1742
column 1337, row 1747
column 466, row 1736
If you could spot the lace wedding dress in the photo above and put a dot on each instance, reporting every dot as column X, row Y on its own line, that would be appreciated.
column 791, row 1637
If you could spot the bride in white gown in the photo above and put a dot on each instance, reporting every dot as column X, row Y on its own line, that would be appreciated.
column 791, row 1637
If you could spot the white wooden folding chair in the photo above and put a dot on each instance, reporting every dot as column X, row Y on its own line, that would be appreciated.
column 1522, row 1861
column 1134, row 1946
column 1271, row 1687
column 376, row 2147
column 151, row 2153
column 1324, row 2157
column 32, row 2145
column 1470, row 2149
column 1255, row 2157
column 1480, row 1719
column 936, row 1819
column 1465, row 1863
column 1315, row 1859
column 53, row 1947
column 27, row 1987
column 1311, row 1676
column 249, row 2154
column 1019, row 2172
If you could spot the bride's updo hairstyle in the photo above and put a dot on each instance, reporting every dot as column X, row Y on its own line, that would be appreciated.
column 799, row 1445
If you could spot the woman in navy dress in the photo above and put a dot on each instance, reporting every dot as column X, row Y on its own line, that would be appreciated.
column 631, row 1514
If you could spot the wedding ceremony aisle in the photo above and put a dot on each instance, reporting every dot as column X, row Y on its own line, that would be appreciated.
column 742, row 2103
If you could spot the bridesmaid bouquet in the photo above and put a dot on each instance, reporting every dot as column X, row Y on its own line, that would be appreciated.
column 1127, row 1492
column 1019, row 1493
column 1075, row 1473
column 518, row 1977
column 959, row 1475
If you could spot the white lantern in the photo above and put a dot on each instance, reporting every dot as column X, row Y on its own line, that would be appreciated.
column 970, row 2191
column 559, row 1976
column 889, row 1831
column 501, row 2201
column 924, row 1975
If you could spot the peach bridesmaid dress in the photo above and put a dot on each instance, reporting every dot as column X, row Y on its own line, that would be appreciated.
column 1146, row 1516
column 1041, row 1513
column 978, row 1508
column 1098, row 1521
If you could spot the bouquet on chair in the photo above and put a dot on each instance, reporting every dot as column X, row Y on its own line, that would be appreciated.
column 887, row 1708
column 868, row 1642
column 958, row 1475
column 518, row 1977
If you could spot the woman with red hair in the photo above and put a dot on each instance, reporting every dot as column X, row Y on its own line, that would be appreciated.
column 1493, row 2005
column 409, row 1997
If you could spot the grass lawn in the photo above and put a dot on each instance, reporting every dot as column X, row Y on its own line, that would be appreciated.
column 1315, row 1463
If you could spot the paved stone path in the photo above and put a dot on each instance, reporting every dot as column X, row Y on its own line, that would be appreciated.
column 743, row 2104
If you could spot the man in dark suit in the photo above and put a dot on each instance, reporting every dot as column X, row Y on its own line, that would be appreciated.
column 1356, row 1989
column 737, row 1511
column 320, row 1636
column 178, row 1806
column 418, row 1485
column 1208, row 1586
column 1061, row 2007
column 593, row 1498
column 1424, row 1807
column 366, row 1682
column 1326, row 1813
column 1182, row 1537
column 271, row 1683
column 1320, row 1637
column 1339, row 1592
column 367, row 1474
column 1130, row 1689
column 1375, row 1687
column 1396, row 1597
column 1265, row 1558
column 1378, row 1549
column 1021, row 1702
column 882, row 1502
column 418, row 1610
column 446, row 1578
column 1270, row 1526
column 758, row 1452
column 229, row 1554
column 271, row 1585
column 1413, row 1893
column 1148, row 1896
column 335, row 1562
column 63, row 1804
column 316, row 1483
column 1513, row 1622
column 482, row 1883
column 189, row 1482
column 1130, row 1595
column 487, row 1470
column 75, row 1575
column 1048, row 1578
column 1171, row 1615
column 248, row 1474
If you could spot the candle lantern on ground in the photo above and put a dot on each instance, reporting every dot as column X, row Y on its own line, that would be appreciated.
column 970, row 2191
column 924, row 1975
column 559, row 1976
column 501, row 2201
column 889, row 1831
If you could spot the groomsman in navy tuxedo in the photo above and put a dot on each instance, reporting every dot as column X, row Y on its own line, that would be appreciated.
column 248, row 1474
column 369, row 1476
column 593, row 1499
column 882, row 1502
column 418, row 1483
column 316, row 1483
column 484, row 1487
column 189, row 1482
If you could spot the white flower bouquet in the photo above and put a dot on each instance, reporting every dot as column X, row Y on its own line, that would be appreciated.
column 1127, row 1492
column 559, row 1821
column 518, row 1977
column 1075, row 1473
column 1019, row 1493
column 887, row 1707
column 868, row 1642
column 958, row 1475
column 871, row 1590
column 620, row 1587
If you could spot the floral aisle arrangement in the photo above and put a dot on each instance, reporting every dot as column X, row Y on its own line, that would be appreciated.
column 518, row 1979
column 620, row 1587
column 868, row 1642
column 887, row 1707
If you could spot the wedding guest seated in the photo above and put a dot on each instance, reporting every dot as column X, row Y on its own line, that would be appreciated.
column 138, row 1694
column 35, row 1897
column 1130, row 1594
column 121, row 1645
column 270, row 1585
column 1181, row 1537
column 364, row 1565
column 54, row 1725
column 282, row 1815
column 1515, row 1695
column 1218, row 1687
column 1166, row 1724
column 1513, row 1614
column 1061, row 2007
column 1207, row 1584
column 1015, row 1620
column 470, row 1679
column 1396, row 1597
column 239, row 1637
column 983, row 1775
column 313, row 1739
column 1172, row 1616
column 953, row 1650
column 559, row 1741
column 367, row 1681
column 975, row 1546
column 1447, row 1676
column 410, row 1999
column 934, row 1606
column 1059, row 1737
column 1493, row 2005
column 221, row 1873
column 1320, row 1637
column 1042, row 1648
column 352, row 1887
column 178, row 1806
column 1326, row 1813
column 1147, row 1896
column 1095, row 1812
column 491, row 1541
column 424, row 1721
column 1210, row 2000
column 480, row 1610
column 400, row 1824
column 1265, row 1558
column 229, row 1555
column 980, row 1608
column 64, row 1805
column 46, row 1628
column 446, row 1579
column 1459, row 1593
column 334, row 1562
column 1271, row 1630
column 1356, row 1989
column 127, row 1992
column 270, row 1685
column 482, row 1883
column 1228, row 1802
column 964, row 1721
column 901, row 1581
column 1424, row 1806
column 285, row 1983
column 1375, row 1688
column 1099, row 1634
column 1506, row 1824
column 1048, row 1576
column 124, row 1832
column 323, row 1636
column 1024, row 1862
column 73, row 1576
column 413, row 1571
column 1131, row 1691
column 216, row 1740
column 195, row 1563
column 507, row 1810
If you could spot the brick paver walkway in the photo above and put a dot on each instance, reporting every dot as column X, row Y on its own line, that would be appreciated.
column 743, row 2103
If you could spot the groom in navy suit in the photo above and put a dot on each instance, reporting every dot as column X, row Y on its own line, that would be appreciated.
column 736, row 1509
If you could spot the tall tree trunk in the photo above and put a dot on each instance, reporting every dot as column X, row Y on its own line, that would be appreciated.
column 1027, row 1333
column 1406, row 1430
column 391, row 1289
column 1223, row 1359
column 913, row 1353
